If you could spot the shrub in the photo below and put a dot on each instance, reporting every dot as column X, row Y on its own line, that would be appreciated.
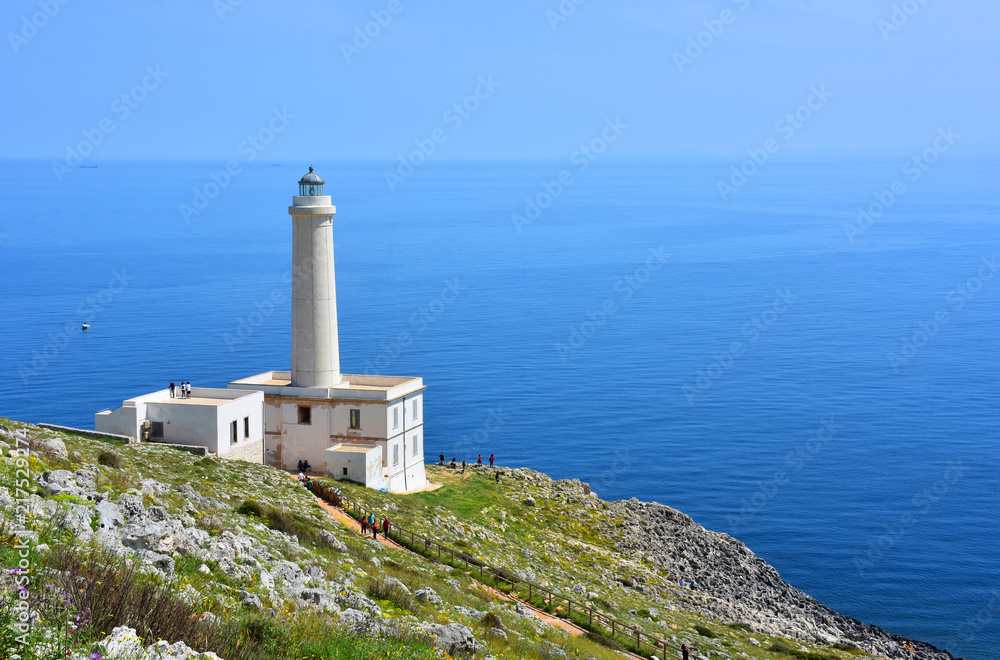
column 605, row 641
column 250, row 508
column 109, row 459
column 287, row 523
column 390, row 591
column 491, row 620
column 705, row 631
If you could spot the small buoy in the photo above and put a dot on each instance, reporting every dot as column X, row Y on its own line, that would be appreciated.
column 86, row 326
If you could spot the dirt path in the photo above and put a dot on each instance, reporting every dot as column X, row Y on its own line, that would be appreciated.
column 350, row 523
column 353, row 524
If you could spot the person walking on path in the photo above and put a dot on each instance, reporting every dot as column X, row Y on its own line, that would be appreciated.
column 375, row 530
column 371, row 524
column 684, row 652
column 189, row 389
column 385, row 528
column 172, row 389
column 492, row 458
column 364, row 527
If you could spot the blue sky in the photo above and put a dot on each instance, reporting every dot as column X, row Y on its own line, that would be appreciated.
column 556, row 77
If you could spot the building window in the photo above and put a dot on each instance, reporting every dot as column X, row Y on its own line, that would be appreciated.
column 345, row 472
column 395, row 455
column 305, row 415
column 416, row 445
column 156, row 429
column 232, row 432
column 355, row 418
column 395, row 418
column 416, row 407
column 246, row 427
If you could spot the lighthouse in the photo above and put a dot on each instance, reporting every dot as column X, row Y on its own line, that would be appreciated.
column 315, row 345
column 362, row 427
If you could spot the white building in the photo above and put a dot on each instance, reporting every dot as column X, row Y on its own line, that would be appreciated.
column 226, row 422
column 365, row 428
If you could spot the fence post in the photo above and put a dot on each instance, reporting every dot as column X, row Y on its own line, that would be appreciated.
column 591, row 622
column 612, row 628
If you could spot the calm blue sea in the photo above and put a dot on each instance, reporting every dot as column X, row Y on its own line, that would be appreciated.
column 729, row 359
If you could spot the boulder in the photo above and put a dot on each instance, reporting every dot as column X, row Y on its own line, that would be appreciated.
column 122, row 644
column 332, row 540
column 55, row 482
column 53, row 447
column 162, row 563
column 85, row 479
column 529, row 501
column 427, row 595
column 549, row 651
column 453, row 638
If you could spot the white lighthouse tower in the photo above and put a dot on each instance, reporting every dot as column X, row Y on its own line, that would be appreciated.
column 368, row 429
column 315, row 345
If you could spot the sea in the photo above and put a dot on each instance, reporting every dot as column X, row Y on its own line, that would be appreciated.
column 807, row 360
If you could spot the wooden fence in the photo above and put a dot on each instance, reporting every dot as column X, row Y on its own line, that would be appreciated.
column 431, row 548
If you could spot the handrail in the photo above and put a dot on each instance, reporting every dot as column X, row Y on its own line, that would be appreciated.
column 338, row 498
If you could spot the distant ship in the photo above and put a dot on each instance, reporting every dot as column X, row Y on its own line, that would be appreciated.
column 86, row 326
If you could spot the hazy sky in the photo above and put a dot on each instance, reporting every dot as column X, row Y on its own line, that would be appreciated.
column 555, row 77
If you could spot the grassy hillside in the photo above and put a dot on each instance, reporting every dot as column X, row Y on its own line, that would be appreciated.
column 238, row 559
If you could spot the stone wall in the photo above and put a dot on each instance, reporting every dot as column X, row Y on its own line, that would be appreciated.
column 252, row 452
column 86, row 433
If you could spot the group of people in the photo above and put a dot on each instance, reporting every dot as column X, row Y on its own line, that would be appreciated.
column 371, row 524
column 479, row 461
column 686, row 582
column 305, row 480
column 185, row 392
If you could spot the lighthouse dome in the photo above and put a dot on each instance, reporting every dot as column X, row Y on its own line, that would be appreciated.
column 311, row 184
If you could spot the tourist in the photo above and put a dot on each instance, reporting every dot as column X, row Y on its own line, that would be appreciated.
column 691, row 580
column 189, row 389
column 385, row 528
column 453, row 465
column 463, row 466
column 309, row 484
column 682, row 583
column 302, row 479
column 479, row 461
column 684, row 652
column 171, row 389
column 492, row 458
column 374, row 528
column 364, row 527
column 305, row 466
column 300, row 465
column 442, row 458
column 497, row 476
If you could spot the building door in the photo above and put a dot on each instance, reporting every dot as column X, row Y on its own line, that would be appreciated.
column 232, row 433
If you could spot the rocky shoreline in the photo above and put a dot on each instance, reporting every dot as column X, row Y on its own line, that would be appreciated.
column 747, row 589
